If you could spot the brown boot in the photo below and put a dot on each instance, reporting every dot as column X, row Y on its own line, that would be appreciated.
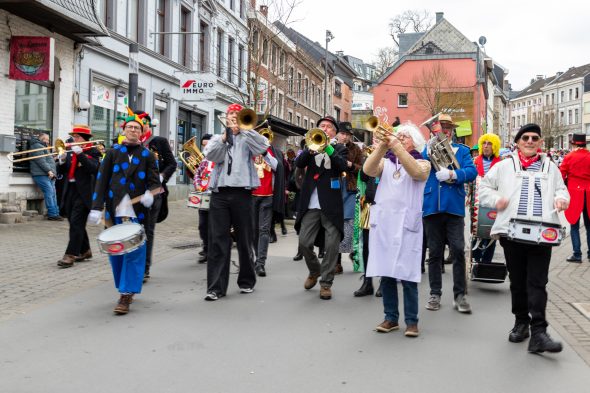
column 338, row 269
column 311, row 281
column 66, row 261
column 325, row 292
column 84, row 256
column 123, row 305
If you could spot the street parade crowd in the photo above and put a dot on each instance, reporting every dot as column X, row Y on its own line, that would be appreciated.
column 394, row 207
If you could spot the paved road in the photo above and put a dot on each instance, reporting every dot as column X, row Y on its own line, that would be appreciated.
column 280, row 338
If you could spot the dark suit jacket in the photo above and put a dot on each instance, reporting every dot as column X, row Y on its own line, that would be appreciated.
column 166, row 167
column 86, row 169
column 320, row 177
column 118, row 176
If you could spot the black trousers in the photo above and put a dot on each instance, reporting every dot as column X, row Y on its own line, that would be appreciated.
column 366, row 252
column 204, row 229
column 440, row 228
column 150, row 229
column 230, row 206
column 528, row 270
column 77, row 214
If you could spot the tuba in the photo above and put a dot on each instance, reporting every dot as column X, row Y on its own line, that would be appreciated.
column 267, row 133
column 440, row 151
column 190, row 155
column 316, row 140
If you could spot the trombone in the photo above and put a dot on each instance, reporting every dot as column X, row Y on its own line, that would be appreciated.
column 246, row 120
column 60, row 147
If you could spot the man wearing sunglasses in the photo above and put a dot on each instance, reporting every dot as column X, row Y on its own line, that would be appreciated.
column 526, row 185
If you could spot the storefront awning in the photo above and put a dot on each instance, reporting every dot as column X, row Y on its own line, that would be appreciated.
column 75, row 19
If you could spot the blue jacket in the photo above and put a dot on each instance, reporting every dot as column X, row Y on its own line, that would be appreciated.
column 442, row 197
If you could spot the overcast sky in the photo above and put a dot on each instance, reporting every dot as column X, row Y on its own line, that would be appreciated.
column 526, row 37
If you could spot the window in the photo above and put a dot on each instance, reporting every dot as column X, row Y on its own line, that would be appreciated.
column 402, row 100
column 290, row 117
column 242, row 9
column 513, row 122
column 546, row 99
column 255, row 46
column 561, row 118
column 230, row 59
column 306, row 87
column 265, row 51
column 133, row 25
column 240, row 65
column 203, row 45
column 282, row 65
column 232, row 5
column 552, row 98
column 219, row 51
column 291, row 74
column 576, row 116
column 305, row 123
column 570, row 95
column 313, row 100
column 337, row 89
column 280, row 105
column 161, row 26
column 273, row 58
column 569, row 117
column 337, row 113
column 106, row 10
column 298, row 123
column 184, row 40
column 577, row 93
column 299, row 87
column 562, row 96
column 272, row 103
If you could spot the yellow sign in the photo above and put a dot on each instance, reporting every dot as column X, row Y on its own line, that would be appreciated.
column 464, row 128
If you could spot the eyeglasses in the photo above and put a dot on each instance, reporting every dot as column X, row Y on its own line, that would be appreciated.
column 132, row 128
column 534, row 138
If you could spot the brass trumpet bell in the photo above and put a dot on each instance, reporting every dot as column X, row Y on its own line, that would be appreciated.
column 316, row 140
column 247, row 119
column 267, row 133
column 380, row 129
column 190, row 155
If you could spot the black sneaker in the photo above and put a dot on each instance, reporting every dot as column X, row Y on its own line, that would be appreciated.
column 260, row 271
column 574, row 259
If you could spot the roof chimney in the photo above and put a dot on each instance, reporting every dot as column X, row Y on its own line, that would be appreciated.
column 439, row 16
column 264, row 10
column 339, row 53
column 539, row 77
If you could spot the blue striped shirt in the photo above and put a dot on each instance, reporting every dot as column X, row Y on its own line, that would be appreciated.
column 524, row 193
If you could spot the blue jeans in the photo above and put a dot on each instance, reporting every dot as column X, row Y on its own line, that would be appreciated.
column 576, row 241
column 47, row 186
column 390, row 302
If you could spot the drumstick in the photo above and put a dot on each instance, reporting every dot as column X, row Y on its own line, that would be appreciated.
column 154, row 192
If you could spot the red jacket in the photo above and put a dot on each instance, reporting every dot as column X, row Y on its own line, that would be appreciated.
column 575, row 170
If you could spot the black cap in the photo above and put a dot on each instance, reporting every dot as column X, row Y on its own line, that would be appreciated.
column 531, row 127
column 205, row 137
column 331, row 120
column 345, row 126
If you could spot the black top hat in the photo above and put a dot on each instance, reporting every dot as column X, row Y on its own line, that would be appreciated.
column 331, row 120
column 345, row 126
column 579, row 139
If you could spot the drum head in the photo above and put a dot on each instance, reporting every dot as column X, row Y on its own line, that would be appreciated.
column 119, row 232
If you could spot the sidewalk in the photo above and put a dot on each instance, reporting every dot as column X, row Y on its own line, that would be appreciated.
column 30, row 278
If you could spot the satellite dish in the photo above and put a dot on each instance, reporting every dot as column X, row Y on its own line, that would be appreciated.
column 482, row 40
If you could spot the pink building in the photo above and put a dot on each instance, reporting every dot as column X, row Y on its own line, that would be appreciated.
column 437, row 71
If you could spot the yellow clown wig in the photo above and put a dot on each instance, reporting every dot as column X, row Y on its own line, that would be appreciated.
column 495, row 139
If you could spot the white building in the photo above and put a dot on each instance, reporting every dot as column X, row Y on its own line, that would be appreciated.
column 169, row 56
column 33, row 107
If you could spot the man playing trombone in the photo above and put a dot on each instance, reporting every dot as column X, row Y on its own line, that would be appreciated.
column 232, row 181
column 321, row 203
column 78, row 167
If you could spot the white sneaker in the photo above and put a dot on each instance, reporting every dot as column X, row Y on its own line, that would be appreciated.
column 433, row 303
column 246, row 290
column 211, row 296
column 460, row 303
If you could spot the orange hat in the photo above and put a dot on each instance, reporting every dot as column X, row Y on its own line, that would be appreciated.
column 82, row 130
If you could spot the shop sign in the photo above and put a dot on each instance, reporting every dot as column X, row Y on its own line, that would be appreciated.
column 31, row 58
column 198, row 86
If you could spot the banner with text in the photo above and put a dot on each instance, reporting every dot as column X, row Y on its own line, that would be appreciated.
column 198, row 86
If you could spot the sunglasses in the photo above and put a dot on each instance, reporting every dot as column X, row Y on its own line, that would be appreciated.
column 534, row 138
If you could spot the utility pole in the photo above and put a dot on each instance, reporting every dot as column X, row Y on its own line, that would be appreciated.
column 329, row 37
column 133, row 75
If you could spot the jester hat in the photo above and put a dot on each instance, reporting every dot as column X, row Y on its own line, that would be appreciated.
column 132, row 117
column 495, row 139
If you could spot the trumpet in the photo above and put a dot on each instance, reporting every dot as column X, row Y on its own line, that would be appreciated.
column 380, row 129
column 267, row 133
column 316, row 140
column 59, row 147
column 246, row 120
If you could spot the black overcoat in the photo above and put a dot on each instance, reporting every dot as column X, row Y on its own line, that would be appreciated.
column 125, row 169
column 166, row 167
column 320, row 177
column 85, row 173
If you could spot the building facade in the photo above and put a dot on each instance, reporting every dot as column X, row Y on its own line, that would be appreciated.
column 31, row 107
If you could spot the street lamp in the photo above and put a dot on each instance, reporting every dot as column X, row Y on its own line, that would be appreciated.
column 329, row 37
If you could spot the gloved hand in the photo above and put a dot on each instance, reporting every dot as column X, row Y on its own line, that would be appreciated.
column 95, row 217
column 443, row 174
column 147, row 199
column 76, row 149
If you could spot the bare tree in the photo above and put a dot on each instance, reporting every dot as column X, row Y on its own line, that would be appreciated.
column 386, row 57
column 436, row 90
column 409, row 21
column 550, row 124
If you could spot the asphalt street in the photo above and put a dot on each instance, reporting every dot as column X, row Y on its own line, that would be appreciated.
column 280, row 338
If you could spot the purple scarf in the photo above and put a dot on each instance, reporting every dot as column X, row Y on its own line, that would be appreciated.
column 393, row 158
